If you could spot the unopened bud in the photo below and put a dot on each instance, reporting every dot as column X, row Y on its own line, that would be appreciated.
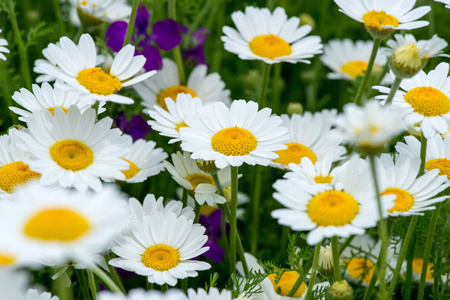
column 406, row 61
column 307, row 19
column 295, row 108
column 207, row 166
column 340, row 290
column 326, row 261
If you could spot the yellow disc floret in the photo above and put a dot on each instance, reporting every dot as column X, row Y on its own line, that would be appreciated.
column 56, row 224
column 172, row 92
column 404, row 200
column 52, row 109
column 323, row 179
column 234, row 141
column 179, row 125
column 417, row 265
column 286, row 283
column 6, row 259
column 196, row 179
column 161, row 257
column 428, row 101
column 132, row 171
column 332, row 208
column 294, row 154
column 72, row 155
column 375, row 19
column 360, row 268
column 442, row 164
column 355, row 68
column 270, row 46
column 15, row 174
column 98, row 82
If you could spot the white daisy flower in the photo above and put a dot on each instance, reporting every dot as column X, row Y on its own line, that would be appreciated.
column 33, row 294
column 140, row 294
column 414, row 195
column 312, row 137
column 166, row 84
column 51, row 226
column 144, row 161
column 326, row 210
column 383, row 16
column 233, row 136
column 370, row 127
column 321, row 172
column 437, row 154
column 162, row 248
column 76, row 66
column 169, row 121
column 3, row 49
column 100, row 10
column 45, row 97
column 427, row 48
column 14, row 172
column 446, row 2
column 212, row 294
column 200, row 184
column 348, row 59
column 424, row 99
column 72, row 150
column 270, row 37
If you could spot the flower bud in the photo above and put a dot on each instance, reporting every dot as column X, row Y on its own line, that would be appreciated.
column 406, row 61
column 307, row 19
column 207, row 166
column 295, row 108
column 326, row 261
column 340, row 290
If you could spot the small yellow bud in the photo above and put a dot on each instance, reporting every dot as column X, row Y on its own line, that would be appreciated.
column 340, row 290
column 307, row 19
column 406, row 61
column 295, row 108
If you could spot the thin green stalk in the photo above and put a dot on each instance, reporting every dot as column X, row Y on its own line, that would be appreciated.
column 264, row 85
column 130, row 26
column 59, row 18
column 232, row 218
column 346, row 243
column 296, row 286
column 114, row 276
column 164, row 287
column 184, row 197
column 6, row 92
column 184, row 284
column 336, row 262
column 276, row 88
column 362, row 87
column 423, row 154
column 92, row 284
column 24, row 65
column 64, row 292
column 83, row 281
column 197, row 212
column 394, row 89
column 313, row 271
column 109, row 283
column 407, row 286
column 256, row 203
column 172, row 6
column 426, row 254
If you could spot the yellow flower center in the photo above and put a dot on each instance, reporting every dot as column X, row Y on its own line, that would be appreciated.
column 332, row 208
column 442, row 164
column 161, row 257
column 15, row 174
column 404, row 200
column 206, row 210
column 56, row 224
column 355, row 68
column 6, row 259
column 428, row 101
column 294, row 154
column 270, row 46
column 323, row 179
column 52, row 109
column 172, row 92
column 360, row 267
column 417, row 265
column 375, row 19
column 72, row 155
column 196, row 179
column 286, row 283
column 98, row 82
column 132, row 171
column 234, row 141
column 179, row 125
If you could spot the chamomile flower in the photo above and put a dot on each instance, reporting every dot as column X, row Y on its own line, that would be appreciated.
column 312, row 137
column 169, row 121
column 321, row 172
column 370, row 127
column 162, row 248
column 382, row 17
column 200, row 184
column 329, row 210
column 424, row 99
column 140, row 294
column 427, row 48
column 233, row 136
column 437, row 153
column 3, row 49
column 46, row 97
column 166, row 84
column 51, row 226
column 72, row 150
column 348, row 59
column 76, row 66
column 414, row 194
column 144, row 161
column 270, row 37
column 212, row 294
column 102, row 10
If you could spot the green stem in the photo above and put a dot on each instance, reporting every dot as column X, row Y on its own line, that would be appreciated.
column 426, row 254
column 92, row 284
column 130, row 26
column 59, row 18
column 264, row 85
column 84, row 285
column 362, row 87
column 114, row 276
column 313, row 271
column 64, row 292
column 346, row 243
column 184, row 284
column 232, row 218
column 336, row 262
column 423, row 155
column 256, row 203
column 6, row 93
column 109, row 283
column 184, row 197
column 407, row 286
column 172, row 9
column 276, row 90
column 197, row 212
column 394, row 89
column 164, row 287
column 24, row 65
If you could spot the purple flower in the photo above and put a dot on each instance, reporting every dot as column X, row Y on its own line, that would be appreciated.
column 141, row 21
column 195, row 54
column 137, row 127
column 115, row 35
column 212, row 223
column 168, row 34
